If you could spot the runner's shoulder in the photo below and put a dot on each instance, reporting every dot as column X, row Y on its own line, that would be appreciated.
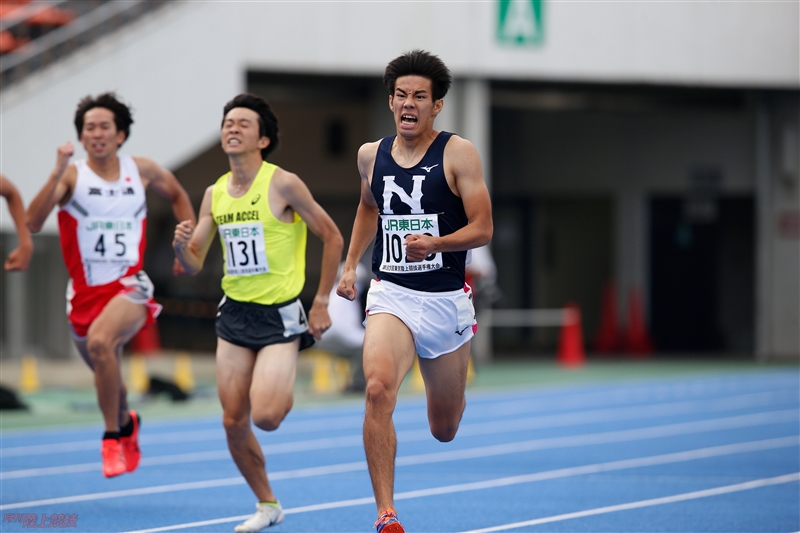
column 366, row 156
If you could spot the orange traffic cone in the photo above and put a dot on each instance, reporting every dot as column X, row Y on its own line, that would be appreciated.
column 637, row 338
column 147, row 341
column 570, row 345
column 607, row 339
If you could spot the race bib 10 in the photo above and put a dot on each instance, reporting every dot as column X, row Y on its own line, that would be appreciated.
column 245, row 254
column 395, row 230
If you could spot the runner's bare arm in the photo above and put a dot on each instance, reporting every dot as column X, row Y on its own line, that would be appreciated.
column 19, row 258
column 299, row 198
column 191, row 242
column 167, row 185
column 57, row 190
column 364, row 225
column 463, row 163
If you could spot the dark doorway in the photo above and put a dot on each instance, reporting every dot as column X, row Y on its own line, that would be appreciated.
column 702, row 275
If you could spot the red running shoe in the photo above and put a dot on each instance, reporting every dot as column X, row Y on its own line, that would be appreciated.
column 388, row 523
column 113, row 458
column 130, row 444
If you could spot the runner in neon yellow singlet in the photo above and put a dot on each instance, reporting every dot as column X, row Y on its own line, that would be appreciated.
column 254, row 271
column 260, row 213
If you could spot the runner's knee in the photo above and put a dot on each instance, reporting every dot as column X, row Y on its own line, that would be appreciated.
column 100, row 347
column 444, row 430
column 235, row 425
column 269, row 418
column 444, row 421
column 379, row 394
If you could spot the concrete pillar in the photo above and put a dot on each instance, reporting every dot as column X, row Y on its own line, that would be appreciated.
column 785, row 228
column 450, row 117
column 763, row 231
column 476, row 114
column 778, row 227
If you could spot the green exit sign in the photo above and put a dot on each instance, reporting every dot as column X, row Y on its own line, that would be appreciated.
column 519, row 22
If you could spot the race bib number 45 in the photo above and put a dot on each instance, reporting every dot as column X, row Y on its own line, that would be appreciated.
column 395, row 230
column 245, row 254
column 110, row 240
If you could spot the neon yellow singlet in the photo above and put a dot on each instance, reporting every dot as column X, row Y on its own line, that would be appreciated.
column 264, row 258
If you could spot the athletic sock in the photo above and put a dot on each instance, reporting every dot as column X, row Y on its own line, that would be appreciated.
column 271, row 504
column 127, row 429
column 111, row 435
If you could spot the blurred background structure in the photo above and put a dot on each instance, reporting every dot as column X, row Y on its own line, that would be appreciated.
column 643, row 157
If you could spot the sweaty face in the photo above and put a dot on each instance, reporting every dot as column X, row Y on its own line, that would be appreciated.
column 413, row 105
column 240, row 132
column 99, row 135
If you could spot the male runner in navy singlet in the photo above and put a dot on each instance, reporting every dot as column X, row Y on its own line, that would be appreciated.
column 424, row 191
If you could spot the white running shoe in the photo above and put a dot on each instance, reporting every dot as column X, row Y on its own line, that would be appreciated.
column 266, row 515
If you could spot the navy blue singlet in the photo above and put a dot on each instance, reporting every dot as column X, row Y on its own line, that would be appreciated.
column 416, row 200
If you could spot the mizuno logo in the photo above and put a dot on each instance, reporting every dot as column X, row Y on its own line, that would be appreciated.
column 462, row 331
column 428, row 169
column 256, row 199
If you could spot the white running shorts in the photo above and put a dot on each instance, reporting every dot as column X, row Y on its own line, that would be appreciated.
column 440, row 322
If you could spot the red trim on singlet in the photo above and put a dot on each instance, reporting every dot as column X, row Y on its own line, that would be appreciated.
column 68, row 235
column 88, row 302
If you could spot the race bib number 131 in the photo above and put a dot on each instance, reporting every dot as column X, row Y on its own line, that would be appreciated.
column 245, row 254
column 395, row 230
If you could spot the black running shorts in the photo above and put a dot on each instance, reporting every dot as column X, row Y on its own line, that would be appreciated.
column 254, row 326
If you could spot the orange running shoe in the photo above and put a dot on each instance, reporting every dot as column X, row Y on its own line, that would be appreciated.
column 388, row 523
column 113, row 458
column 130, row 444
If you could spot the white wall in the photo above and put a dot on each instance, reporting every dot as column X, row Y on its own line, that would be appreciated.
column 714, row 43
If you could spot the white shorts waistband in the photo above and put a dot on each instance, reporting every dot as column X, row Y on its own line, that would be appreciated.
column 422, row 294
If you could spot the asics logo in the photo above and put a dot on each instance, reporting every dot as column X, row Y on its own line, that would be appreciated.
column 428, row 169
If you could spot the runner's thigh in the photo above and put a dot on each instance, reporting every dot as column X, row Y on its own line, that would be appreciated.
column 445, row 380
column 119, row 320
column 234, row 376
column 389, row 349
column 274, row 374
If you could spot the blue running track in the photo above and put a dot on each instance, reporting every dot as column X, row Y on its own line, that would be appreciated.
column 711, row 453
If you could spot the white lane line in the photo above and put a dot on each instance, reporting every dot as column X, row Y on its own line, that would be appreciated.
column 603, row 438
column 727, row 489
column 516, row 480
column 490, row 428
column 471, row 453
column 521, row 400
column 475, row 410
column 440, row 457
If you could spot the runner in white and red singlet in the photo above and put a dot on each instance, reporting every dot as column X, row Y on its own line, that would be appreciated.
column 102, row 221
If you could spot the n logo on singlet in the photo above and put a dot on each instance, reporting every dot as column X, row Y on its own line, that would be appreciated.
column 414, row 201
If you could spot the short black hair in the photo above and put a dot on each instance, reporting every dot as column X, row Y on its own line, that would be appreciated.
column 419, row 63
column 122, row 112
column 267, row 121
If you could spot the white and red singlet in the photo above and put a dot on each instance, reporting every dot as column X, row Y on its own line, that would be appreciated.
column 102, row 231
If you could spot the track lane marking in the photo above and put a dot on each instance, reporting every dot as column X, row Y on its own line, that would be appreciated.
column 472, row 429
column 469, row 453
column 561, row 473
column 482, row 409
column 686, row 496
column 356, row 440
